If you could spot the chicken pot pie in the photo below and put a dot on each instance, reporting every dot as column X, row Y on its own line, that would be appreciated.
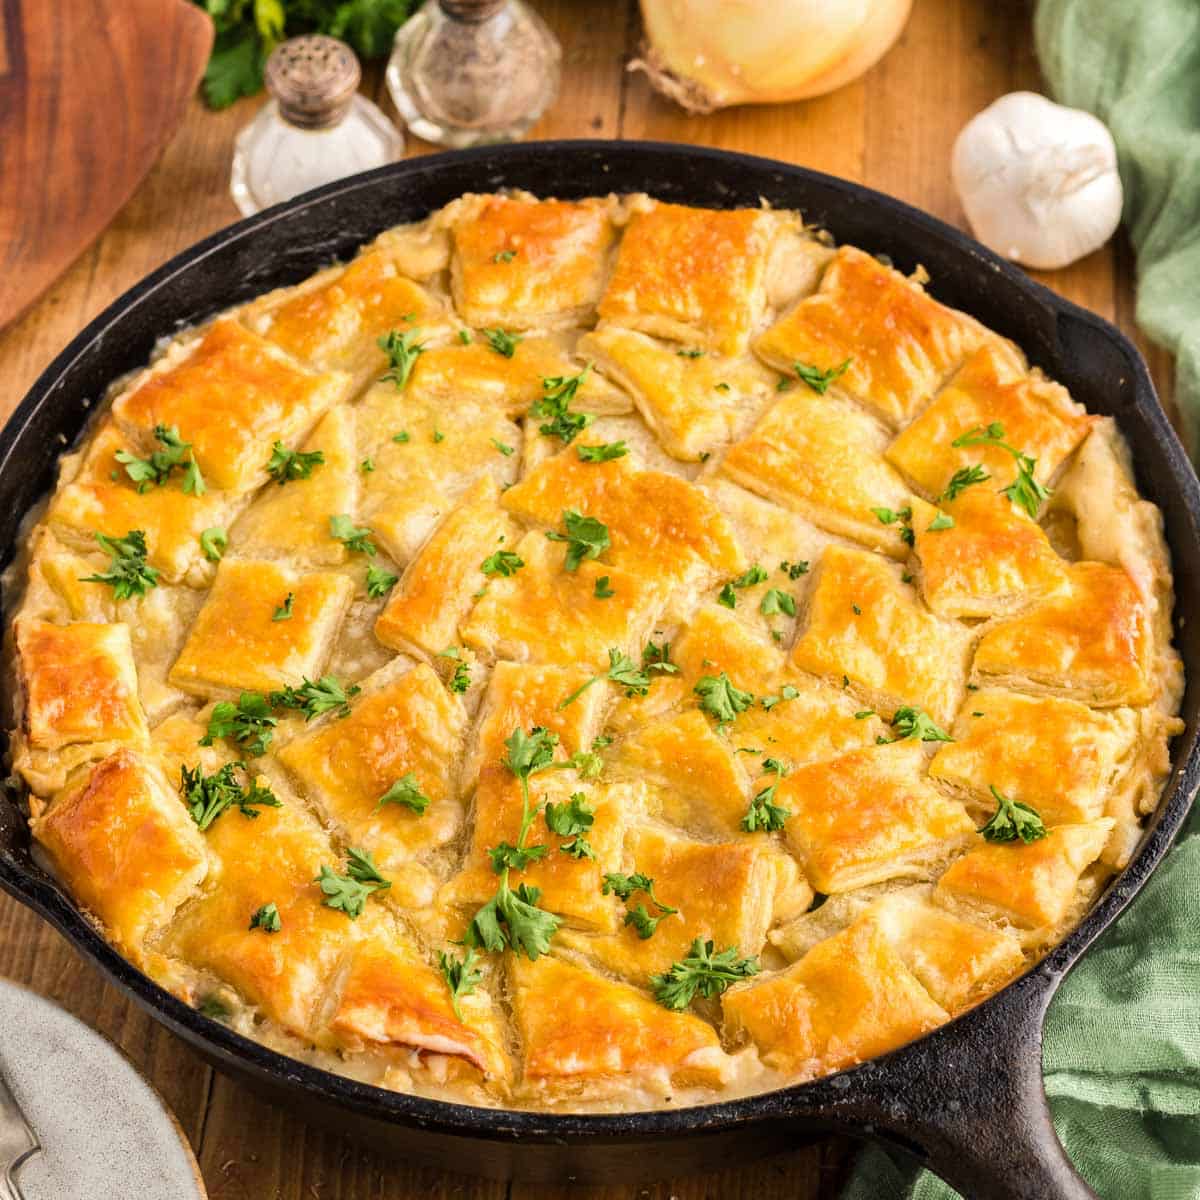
column 621, row 656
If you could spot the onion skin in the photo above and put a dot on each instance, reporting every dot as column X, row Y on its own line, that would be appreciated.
column 709, row 54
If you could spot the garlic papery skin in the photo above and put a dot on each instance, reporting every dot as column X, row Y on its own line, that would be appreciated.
column 708, row 54
column 1038, row 181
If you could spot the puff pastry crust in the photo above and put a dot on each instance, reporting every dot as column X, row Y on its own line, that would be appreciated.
column 657, row 562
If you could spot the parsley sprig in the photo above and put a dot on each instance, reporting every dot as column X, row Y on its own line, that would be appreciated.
column 402, row 350
column 572, row 819
column 348, row 893
column 502, row 342
column 314, row 699
column 462, row 976
column 763, row 812
column 505, row 563
column 512, row 918
column 266, row 917
column 1013, row 820
column 622, row 670
column 817, row 379
column 624, row 886
column 128, row 572
column 721, row 697
column 286, row 465
column 156, row 470
column 554, row 407
column 585, row 537
column 379, row 581
column 962, row 479
column 911, row 722
column 354, row 538
column 701, row 971
column 208, row 796
column 748, row 578
column 248, row 722
column 407, row 792
column 1024, row 491
column 604, row 452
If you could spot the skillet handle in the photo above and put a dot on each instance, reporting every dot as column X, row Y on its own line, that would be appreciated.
column 968, row 1101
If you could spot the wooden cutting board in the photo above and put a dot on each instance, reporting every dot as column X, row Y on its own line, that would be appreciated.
column 90, row 93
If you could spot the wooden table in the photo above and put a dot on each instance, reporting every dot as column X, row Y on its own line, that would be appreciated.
column 892, row 130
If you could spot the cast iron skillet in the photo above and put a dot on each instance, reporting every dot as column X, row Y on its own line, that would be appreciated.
column 968, row 1098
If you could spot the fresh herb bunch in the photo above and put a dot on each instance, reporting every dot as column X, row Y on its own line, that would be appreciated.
column 248, row 30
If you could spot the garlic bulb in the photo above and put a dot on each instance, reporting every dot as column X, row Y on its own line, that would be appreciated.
column 709, row 54
column 1038, row 181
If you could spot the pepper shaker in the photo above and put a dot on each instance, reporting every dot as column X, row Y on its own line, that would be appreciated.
column 315, row 129
column 466, row 72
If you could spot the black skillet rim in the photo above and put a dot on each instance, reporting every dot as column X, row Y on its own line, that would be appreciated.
column 514, row 1125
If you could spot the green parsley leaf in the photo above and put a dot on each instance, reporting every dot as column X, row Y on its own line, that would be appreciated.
column 248, row 722
column 407, row 791
column 570, row 818
column 602, row 590
column 464, row 336
column 266, row 918
column 507, row 451
column 911, row 722
column 213, row 542
column 602, row 453
column 314, row 699
column 658, row 658
column 817, row 379
column 514, row 919
column 787, row 692
column 348, row 893
column 763, row 812
column 502, row 342
column 402, row 438
column 793, row 570
column 689, row 353
column 402, row 350
column 213, row 1007
column 641, row 920
column 354, row 539
column 558, row 392
column 286, row 465
column 776, row 601
column 438, row 437
column 504, row 256
column 864, row 713
column 1013, row 820
column 940, row 522
column 962, row 479
column 462, row 975
column 460, row 681
column 888, row 516
column 503, row 562
column 727, row 596
column 361, row 866
column 506, row 856
column 208, row 796
column 721, row 697
column 585, row 537
column 1024, row 491
column 128, row 572
column 156, row 470
column 367, row 466
column 379, row 581
column 701, row 971
column 621, row 670
column 284, row 611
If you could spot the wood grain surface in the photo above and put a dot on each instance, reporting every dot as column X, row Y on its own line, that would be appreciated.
column 90, row 92
column 893, row 130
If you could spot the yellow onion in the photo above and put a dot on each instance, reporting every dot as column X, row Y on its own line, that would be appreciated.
column 709, row 54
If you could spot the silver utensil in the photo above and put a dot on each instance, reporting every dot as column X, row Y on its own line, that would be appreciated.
column 17, row 1142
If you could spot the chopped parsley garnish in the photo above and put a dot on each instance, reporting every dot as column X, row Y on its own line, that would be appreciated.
column 777, row 601
column 213, row 542
column 406, row 791
column 793, row 570
column 156, row 470
column 503, row 562
column 248, row 722
column 502, row 342
column 266, row 918
column 602, row 590
column 208, row 796
column 639, row 918
column 689, row 353
column 464, row 336
column 461, row 679
column 462, row 975
column 585, row 537
column 787, row 692
column 763, row 812
column 213, row 1007
column 856, row 610
column 512, row 918
column 701, row 971
column 128, row 572
column 314, row 699
column 504, row 449
column 621, row 670
column 1024, row 491
column 504, row 256
column 355, row 539
column 817, row 379
column 962, row 479
column 402, row 350
column 864, row 713
column 286, row 465
column 438, row 437
column 587, row 763
column 1013, row 820
column 603, row 453
column 284, row 611
column 912, row 722
column 348, row 893
column 558, row 391
column 721, row 697
column 658, row 658
column 367, row 466
column 748, row 578
column 940, row 522
column 402, row 438
column 506, row 855
column 572, row 819
column 379, row 581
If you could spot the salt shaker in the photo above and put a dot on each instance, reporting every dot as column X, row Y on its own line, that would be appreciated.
column 465, row 72
column 315, row 128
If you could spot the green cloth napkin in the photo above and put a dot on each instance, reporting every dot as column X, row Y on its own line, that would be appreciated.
column 1122, row 1049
